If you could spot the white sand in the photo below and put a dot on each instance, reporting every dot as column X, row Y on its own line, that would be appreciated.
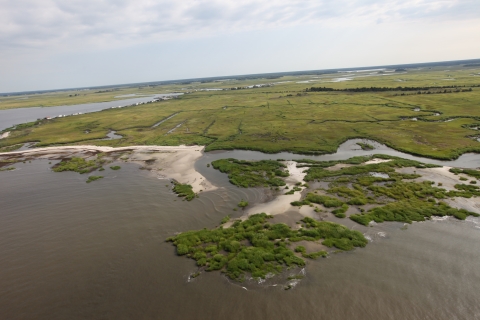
column 4, row 135
column 281, row 204
column 438, row 175
column 170, row 162
column 470, row 204
column 376, row 160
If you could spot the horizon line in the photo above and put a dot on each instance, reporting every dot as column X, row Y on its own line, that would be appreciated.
column 253, row 75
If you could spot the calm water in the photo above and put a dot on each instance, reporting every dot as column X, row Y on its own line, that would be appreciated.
column 13, row 117
column 346, row 150
column 72, row 250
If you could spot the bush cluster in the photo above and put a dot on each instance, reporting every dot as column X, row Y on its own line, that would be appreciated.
column 184, row 190
column 252, row 173
column 76, row 164
column 257, row 247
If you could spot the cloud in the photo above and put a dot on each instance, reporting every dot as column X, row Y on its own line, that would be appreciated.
column 101, row 23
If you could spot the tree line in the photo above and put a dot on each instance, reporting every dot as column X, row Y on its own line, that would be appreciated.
column 383, row 89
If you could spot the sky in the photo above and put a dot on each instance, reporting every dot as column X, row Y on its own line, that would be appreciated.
column 54, row 44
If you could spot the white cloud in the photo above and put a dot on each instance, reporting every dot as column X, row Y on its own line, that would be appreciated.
column 76, row 23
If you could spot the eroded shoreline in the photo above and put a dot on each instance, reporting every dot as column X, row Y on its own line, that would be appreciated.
column 169, row 162
column 178, row 163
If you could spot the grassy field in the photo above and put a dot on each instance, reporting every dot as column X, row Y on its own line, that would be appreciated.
column 282, row 117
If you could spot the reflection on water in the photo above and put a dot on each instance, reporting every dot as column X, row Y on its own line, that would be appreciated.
column 72, row 250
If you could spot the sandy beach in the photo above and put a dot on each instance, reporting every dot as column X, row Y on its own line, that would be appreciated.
column 281, row 204
column 168, row 162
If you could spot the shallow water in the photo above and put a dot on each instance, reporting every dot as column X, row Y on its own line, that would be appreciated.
column 345, row 151
column 72, row 250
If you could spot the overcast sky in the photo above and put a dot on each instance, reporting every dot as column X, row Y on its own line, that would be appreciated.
column 48, row 44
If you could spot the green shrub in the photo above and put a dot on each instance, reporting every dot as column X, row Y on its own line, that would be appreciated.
column 328, row 202
column 225, row 219
column 242, row 204
column 256, row 247
column 315, row 255
column 357, row 201
column 75, row 164
column 252, row 173
column 408, row 211
column 93, row 178
column 115, row 167
column 470, row 172
column 184, row 190
column 365, row 146
column 300, row 249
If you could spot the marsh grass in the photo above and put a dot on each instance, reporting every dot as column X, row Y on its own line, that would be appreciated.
column 252, row 173
column 365, row 146
column 242, row 204
column 266, row 120
column 257, row 247
column 184, row 190
column 76, row 164
column 94, row 178
column 408, row 201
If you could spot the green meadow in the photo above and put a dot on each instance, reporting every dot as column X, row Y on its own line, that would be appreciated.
column 438, row 122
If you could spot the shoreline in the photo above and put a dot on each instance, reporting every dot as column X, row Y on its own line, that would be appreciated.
column 178, row 163
column 165, row 162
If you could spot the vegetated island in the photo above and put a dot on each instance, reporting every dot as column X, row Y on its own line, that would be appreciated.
column 365, row 146
column 255, row 247
column 365, row 189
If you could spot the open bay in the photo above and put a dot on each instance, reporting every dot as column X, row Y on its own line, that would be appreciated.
column 72, row 250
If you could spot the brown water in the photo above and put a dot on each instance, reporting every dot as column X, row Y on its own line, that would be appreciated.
column 72, row 250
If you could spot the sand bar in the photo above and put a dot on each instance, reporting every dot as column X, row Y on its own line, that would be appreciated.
column 168, row 162
column 281, row 204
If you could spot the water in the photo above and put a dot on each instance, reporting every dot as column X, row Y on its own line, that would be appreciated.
column 13, row 117
column 112, row 135
column 72, row 250
column 346, row 150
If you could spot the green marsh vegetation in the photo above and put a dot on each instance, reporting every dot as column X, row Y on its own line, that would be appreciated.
column 259, row 248
column 470, row 172
column 248, row 174
column 82, row 166
column 184, row 190
column 76, row 164
column 265, row 119
column 225, row 219
column 397, row 198
column 365, row 146
column 94, row 178
column 11, row 148
column 115, row 167
column 242, row 204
